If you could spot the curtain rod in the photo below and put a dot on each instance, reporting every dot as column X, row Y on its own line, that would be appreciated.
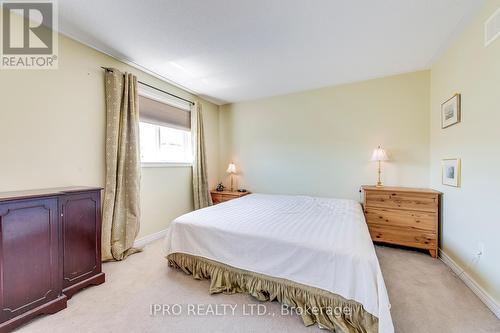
column 107, row 69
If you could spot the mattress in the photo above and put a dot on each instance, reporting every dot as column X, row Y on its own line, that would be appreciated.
column 318, row 242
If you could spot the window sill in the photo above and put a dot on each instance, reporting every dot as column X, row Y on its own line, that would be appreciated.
column 165, row 165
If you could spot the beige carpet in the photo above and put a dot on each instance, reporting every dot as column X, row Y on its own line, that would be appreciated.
column 426, row 297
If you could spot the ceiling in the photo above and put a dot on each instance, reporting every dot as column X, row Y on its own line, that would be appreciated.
column 235, row 50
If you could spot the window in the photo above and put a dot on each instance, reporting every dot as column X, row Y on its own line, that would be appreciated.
column 164, row 129
column 162, row 144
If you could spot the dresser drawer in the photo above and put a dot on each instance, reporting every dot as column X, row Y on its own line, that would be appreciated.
column 418, row 220
column 402, row 200
column 216, row 198
column 403, row 236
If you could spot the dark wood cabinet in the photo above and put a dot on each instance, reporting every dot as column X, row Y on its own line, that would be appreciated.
column 81, row 231
column 30, row 264
column 50, row 248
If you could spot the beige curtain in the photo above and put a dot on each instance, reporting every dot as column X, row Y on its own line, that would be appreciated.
column 121, row 206
column 201, row 192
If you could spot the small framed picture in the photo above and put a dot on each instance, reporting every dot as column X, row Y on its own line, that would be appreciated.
column 450, row 111
column 450, row 169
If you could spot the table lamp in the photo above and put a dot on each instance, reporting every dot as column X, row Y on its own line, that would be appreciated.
column 379, row 155
column 231, row 169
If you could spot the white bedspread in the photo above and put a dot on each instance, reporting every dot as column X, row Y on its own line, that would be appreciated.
column 320, row 242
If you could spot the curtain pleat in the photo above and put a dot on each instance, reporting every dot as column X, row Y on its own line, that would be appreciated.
column 201, row 193
column 121, row 206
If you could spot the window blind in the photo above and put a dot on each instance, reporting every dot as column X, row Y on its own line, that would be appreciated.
column 152, row 111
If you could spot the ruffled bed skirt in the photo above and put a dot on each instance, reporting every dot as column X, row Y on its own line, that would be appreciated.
column 314, row 305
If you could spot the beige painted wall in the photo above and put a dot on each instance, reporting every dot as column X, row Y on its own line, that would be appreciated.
column 52, row 126
column 317, row 142
column 320, row 142
column 470, row 213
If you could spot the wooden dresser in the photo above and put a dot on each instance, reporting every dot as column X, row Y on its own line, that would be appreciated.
column 218, row 197
column 403, row 216
column 50, row 243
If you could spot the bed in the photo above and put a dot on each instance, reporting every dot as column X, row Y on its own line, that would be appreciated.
column 313, row 254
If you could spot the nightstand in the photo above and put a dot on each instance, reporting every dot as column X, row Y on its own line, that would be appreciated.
column 218, row 197
column 403, row 216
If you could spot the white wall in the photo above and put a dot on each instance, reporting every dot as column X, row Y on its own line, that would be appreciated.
column 52, row 127
column 470, row 213
column 320, row 142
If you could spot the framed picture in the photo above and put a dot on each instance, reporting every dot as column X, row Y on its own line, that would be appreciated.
column 450, row 172
column 450, row 111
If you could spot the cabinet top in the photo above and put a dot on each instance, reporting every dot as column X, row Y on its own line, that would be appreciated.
column 233, row 193
column 45, row 192
column 399, row 189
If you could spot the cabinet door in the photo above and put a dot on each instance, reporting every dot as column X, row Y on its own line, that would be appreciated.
column 30, row 271
column 81, row 224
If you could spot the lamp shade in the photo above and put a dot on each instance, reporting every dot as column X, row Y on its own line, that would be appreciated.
column 379, row 154
column 231, row 168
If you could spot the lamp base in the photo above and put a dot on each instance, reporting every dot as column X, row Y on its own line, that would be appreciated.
column 379, row 180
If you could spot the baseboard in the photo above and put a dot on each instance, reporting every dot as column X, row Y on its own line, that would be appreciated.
column 486, row 298
column 150, row 238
